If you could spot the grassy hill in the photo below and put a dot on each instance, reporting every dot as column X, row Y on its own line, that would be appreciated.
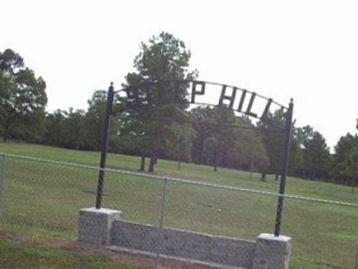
column 41, row 198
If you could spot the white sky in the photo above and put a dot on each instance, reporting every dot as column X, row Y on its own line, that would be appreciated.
column 307, row 50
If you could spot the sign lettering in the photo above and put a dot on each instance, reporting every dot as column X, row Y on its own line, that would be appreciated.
column 230, row 98
column 242, row 99
column 195, row 92
column 249, row 107
column 267, row 109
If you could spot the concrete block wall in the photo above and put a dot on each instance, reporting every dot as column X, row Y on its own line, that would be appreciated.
column 105, row 227
column 183, row 244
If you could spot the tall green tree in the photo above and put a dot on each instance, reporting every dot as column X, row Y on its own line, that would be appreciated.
column 95, row 118
column 296, row 153
column 219, row 141
column 22, row 99
column 54, row 127
column 74, row 129
column 274, row 140
column 180, row 143
column 163, row 58
column 351, row 167
column 300, row 137
column 342, row 151
column 316, row 157
column 220, row 123
column 67, row 129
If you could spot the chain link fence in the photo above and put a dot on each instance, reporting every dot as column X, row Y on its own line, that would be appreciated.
column 42, row 198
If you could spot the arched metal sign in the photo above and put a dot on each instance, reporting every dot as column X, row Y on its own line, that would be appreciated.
column 205, row 93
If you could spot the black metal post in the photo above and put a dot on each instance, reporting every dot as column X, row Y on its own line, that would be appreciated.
column 104, row 146
column 285, row 160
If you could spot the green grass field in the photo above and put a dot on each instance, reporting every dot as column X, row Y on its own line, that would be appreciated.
column 44, row 199
column 18, row 255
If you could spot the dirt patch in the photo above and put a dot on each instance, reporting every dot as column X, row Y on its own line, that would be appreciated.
column 115, row 256
column 8, row 235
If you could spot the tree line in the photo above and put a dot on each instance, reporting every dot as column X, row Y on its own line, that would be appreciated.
column 167, row 127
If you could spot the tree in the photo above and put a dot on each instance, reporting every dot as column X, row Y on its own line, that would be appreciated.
column 304, row 134
column 53, row 134
column 201, row 116
column 274, row 140
column 163, row 58
column 219, row 141
column 214, row 128
column 180, row 142
column 94, row 118
column 221, row 121
column 74, row 129
column 300, row 137
column 351, row 167
column 296, row 153
column 22, row 99
column 342, row 152
column 67, row 129
column 316, row 157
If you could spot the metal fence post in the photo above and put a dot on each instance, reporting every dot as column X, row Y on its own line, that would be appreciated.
column 285, row 161
column 104, row 146
column 161, row 221
column 2, row 178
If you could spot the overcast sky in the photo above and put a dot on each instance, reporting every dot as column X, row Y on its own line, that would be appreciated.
column 307, row 50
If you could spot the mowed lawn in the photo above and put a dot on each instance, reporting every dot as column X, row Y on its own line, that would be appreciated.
column 14, row 254
column 44, row 199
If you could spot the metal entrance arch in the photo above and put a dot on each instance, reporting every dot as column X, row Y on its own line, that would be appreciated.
column 238, row 99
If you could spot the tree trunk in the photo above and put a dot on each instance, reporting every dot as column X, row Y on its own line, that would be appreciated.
column 152, row 162
column 263, row 176
column 142, row 163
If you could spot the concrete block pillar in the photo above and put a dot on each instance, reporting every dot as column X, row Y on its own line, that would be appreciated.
column 95, row 225
column 272, row 252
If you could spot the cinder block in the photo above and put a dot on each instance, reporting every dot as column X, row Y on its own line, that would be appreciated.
column 232, row 251
column 136, row 236
column 272, row 252
column 95, row 225
column 186, row 244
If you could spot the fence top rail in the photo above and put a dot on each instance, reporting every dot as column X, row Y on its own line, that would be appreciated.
column 179, row 180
